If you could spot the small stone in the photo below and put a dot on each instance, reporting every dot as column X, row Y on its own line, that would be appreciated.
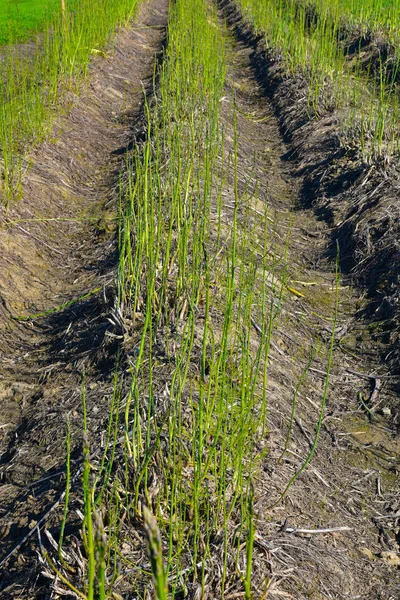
column 126, row 549
column 386, row 411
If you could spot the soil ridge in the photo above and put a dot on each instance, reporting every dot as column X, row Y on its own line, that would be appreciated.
column 358, row 200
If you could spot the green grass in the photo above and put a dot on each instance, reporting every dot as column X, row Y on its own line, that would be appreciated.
column 19, row 19
column 32, row 84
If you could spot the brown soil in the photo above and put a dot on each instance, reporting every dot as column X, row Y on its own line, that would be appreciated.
column 57, row 244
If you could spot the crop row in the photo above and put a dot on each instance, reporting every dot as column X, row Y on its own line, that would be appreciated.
column 310, row 38
column 378, row 16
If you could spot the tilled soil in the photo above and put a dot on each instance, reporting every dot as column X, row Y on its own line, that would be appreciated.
column 358, row 199
column 352, row 480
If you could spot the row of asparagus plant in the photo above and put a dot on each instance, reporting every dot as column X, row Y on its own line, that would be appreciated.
column 310, row 45
column 190, row 417
column 201, row 285
column 376, row 16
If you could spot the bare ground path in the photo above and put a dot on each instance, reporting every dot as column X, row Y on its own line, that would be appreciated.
column 57, row 244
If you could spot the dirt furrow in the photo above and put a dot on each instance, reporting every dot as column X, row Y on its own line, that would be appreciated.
column 352, row 480
column 58, row 255
column 358, row 199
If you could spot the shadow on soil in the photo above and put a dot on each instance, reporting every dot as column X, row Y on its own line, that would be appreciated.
column 341, row 188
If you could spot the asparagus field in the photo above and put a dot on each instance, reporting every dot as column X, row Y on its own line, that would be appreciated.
column 199, row 300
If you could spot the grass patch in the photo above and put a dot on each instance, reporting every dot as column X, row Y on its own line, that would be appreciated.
column 20, row 19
